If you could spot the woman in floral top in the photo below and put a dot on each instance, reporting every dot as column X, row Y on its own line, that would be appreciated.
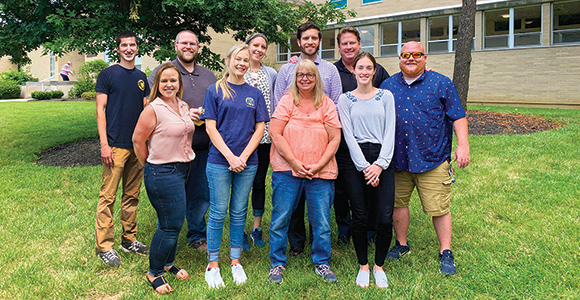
column 262, row 77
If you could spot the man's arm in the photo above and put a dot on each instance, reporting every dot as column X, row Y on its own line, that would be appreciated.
column 281, row 85
column 462, row 151
column 336, row 84
column 106, row 152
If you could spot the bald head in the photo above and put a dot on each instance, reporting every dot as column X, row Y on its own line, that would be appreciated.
column 412, row 67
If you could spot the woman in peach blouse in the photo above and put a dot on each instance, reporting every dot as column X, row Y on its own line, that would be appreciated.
column 305, row 132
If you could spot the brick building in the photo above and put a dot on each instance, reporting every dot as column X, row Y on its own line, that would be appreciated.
column 526, row 52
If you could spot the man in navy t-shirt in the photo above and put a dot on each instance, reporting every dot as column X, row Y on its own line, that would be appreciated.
column 121, row 95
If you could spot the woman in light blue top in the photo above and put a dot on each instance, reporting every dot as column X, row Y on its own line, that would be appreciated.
column 367, row 115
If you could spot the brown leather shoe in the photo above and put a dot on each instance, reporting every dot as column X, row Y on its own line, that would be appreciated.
column 295, row 251
column 200, row 246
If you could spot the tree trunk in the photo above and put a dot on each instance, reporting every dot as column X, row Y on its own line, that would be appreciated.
column 463, row 50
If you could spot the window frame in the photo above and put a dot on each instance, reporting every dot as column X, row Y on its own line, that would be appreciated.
column 552, row 22
column 512, row 35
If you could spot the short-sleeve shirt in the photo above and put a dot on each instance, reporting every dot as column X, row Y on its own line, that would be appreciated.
column 235, row 119
column 194, row 86
column 170, row 141
column 306, row 135
column 125, row 91
column 425, row 112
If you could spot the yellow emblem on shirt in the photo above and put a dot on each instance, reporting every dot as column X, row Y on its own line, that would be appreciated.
column 141, row 84
column 250, row 101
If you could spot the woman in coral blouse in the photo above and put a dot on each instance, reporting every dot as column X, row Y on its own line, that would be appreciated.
column 305, row 132
column 166, row 123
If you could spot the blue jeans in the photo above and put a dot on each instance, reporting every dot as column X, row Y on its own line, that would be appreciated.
column 197, row 192
column 165, row 185
column 286, row 191
column 221, row 182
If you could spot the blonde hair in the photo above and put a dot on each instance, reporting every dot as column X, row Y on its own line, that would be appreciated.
column 223, row 84
column 318, row 86
column 155, row 88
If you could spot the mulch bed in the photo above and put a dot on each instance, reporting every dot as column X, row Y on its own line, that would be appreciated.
column 88, row 152
column 488, row 123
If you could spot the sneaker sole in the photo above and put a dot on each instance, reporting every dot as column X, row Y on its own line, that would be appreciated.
column 114, row 266
column 131, row 251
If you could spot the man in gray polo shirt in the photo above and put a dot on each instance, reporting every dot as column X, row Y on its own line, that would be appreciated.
column 196, row 80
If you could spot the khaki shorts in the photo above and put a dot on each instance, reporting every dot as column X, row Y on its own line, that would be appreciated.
column 433, row 186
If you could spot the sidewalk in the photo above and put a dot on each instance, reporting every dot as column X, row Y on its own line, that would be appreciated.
column 16, row 100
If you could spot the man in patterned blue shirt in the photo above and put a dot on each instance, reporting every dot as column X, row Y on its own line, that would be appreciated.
column 428, row 109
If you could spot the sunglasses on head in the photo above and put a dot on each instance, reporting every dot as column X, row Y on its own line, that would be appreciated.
column 416, row 55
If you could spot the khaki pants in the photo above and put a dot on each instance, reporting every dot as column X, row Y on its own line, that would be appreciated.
column 125, row 167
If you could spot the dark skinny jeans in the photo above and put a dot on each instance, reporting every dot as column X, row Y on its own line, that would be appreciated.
column 364, row 199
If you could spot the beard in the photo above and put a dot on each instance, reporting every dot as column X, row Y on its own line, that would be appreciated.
column 184, row 59
column 413, row 70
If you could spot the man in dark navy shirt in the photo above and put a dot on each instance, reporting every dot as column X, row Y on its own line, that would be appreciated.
column 428, row 110
column 122, row 91
column 349, row 46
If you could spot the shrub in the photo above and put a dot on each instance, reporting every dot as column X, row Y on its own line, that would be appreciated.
column 18, row 76
column 81, row 86
column 9, row 89
column 41, row 95
column 57, row 94
column 148, row 72
column 89, row 95
column 88, row 73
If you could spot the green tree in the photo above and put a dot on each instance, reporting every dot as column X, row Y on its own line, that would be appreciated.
column 91, row 26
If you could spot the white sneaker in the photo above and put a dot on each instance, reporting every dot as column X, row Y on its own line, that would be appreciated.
column 213, row 278
column 239, row 274
column 362, row 279
column 380, row 279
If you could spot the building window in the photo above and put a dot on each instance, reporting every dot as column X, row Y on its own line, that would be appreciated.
column 338, row 3
column 513, row 27
column 370, row 1
column 367, row 38
column 566, row 22
column 395, row 34
column 52, row 63
column 284, row 53
column 138, row 62
column 442, row 34
column 327, row 44
column 326, row 50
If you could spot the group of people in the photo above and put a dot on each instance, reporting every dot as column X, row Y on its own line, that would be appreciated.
column 346, row 135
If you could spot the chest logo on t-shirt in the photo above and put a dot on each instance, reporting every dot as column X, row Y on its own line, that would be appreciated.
column 141, row 84
column 250, row 101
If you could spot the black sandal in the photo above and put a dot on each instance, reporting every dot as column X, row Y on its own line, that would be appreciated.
column 158, row 282
column 175, row 270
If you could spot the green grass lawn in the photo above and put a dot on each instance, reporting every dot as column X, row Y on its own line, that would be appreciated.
column 516, row 224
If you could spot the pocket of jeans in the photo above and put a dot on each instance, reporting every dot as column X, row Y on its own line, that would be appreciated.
column 165, row 169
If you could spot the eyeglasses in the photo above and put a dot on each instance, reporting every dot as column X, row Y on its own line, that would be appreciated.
column 416, row 55
column 185, row 44
column 307, row 75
